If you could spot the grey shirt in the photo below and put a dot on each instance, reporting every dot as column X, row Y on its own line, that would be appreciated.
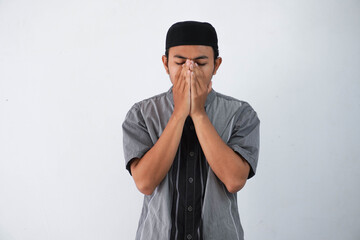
column 236, row 123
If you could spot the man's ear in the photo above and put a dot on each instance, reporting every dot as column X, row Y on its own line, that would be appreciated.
column 165, row 62
column 218, row 61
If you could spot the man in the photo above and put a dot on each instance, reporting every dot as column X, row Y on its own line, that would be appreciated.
column 191, row 149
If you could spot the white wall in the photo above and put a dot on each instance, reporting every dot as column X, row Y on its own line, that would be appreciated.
column 70, row 70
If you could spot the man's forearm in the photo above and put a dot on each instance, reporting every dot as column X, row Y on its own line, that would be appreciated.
column 151, row 169
column 228, row 166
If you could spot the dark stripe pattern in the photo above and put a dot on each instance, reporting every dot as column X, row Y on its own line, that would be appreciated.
column 189, row 176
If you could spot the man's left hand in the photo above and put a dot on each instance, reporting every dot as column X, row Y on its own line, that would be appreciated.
column 199, row 90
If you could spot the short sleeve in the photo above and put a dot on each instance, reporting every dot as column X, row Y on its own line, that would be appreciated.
column 136, row 138
column 245, row 137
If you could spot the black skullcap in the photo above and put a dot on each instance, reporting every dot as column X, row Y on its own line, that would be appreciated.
column 191, row 33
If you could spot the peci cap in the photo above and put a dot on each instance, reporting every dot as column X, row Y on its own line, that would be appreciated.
column 191, row 33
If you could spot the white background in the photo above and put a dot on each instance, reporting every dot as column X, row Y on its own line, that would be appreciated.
column 70, row 70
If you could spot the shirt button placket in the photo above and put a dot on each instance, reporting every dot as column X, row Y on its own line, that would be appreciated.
column 190, row 188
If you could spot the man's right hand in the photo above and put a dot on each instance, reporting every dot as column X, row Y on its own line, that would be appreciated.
column 151, row 169
column 181, row 91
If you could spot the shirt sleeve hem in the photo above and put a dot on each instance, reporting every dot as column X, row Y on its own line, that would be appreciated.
column 131, row 157
column 247, row 158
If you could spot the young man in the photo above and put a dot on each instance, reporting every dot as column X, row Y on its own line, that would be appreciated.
column 191, row 149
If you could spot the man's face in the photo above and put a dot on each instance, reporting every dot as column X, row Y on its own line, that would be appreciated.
column 202, row 55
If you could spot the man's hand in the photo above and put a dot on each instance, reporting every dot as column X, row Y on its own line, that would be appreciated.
column 198, row 91
column 181, row 91
column 151, row 169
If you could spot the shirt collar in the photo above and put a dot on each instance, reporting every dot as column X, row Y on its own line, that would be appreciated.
column 210, row 97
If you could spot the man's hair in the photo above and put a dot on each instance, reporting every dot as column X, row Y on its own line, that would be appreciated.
column 216, row 53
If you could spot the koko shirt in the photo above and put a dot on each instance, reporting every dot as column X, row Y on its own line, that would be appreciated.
column 191, row 202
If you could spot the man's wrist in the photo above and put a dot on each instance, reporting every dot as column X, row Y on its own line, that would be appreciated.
column 178, row 117
column 201, row 114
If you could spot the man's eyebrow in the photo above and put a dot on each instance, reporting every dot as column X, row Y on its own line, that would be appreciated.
column 200, row 57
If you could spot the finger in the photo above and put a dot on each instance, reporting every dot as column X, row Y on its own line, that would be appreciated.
column 200, row 87
column 191, row 65
column 177, row 77
column 197, row 70
column 187, row 75
column 186, row 67
column 199, row 75
column 188, row 79
column 194, row 84
column 210, row 87
column 182, row 77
